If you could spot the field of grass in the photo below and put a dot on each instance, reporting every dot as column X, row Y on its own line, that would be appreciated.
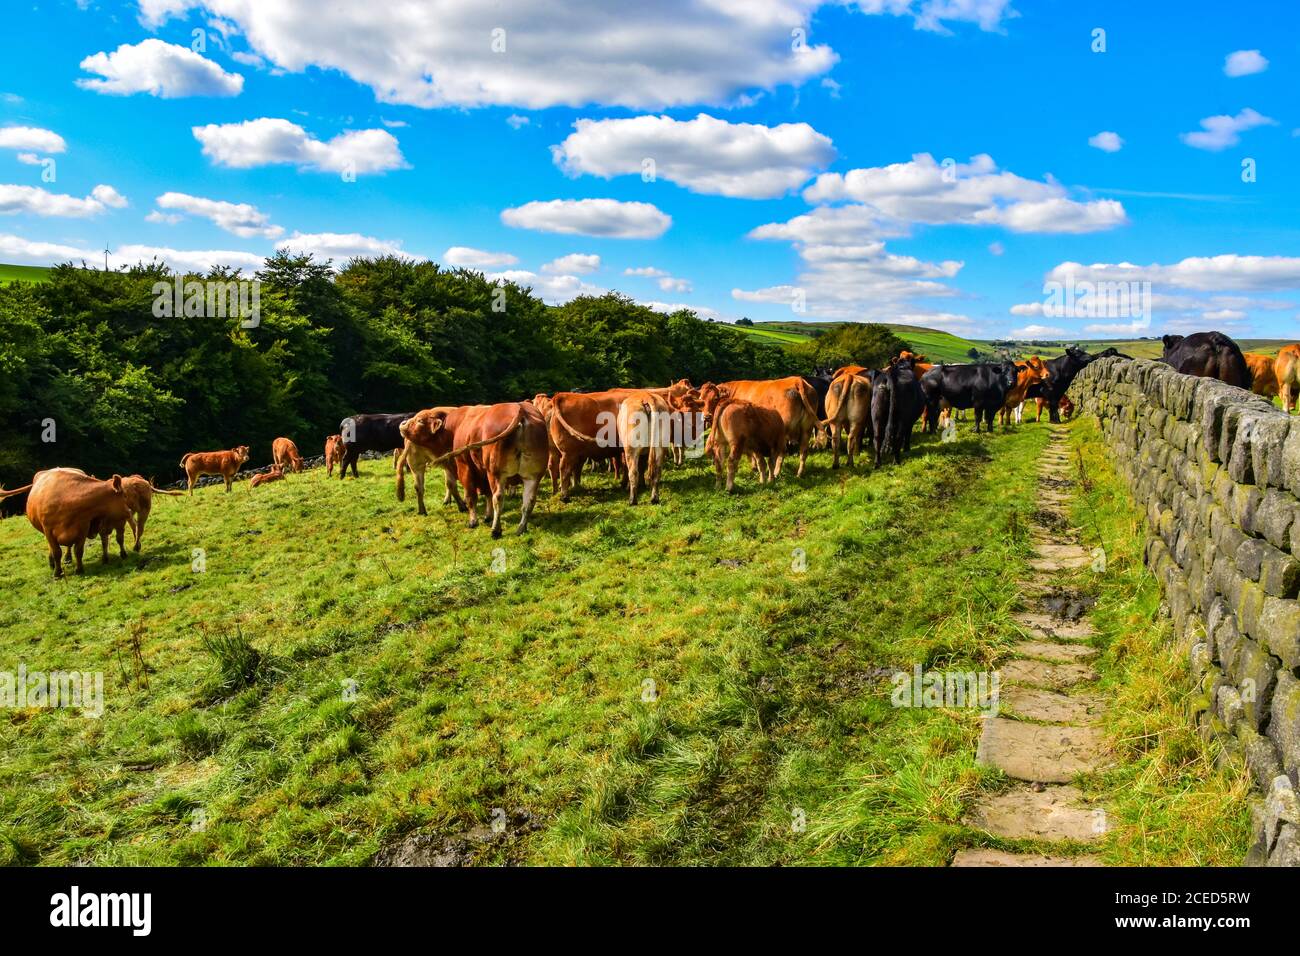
column 25, row 273
column 1145, row 348
column 933, row 343
column 706, row 681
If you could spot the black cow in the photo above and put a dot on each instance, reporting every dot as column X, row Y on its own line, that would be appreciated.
column 363, row 433
column 820, row 381
column 1061, row 371
column 982, row 387
column 896, row 404
column 1208, row 355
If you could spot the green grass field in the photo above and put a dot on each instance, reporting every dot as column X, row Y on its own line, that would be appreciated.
column 706, row 681
column 23, row 273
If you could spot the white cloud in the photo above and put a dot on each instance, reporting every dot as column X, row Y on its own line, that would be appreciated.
column 23, row 251
column 266, row 142
column 41, row 202
column 240, row 219
column 997, row 248
column 648, row 271
column 441, row 52
column 673, row 284
column 1135, row 328
column 576, row 263
column 1224, row 273
column 553, row 289
column 1244, row 63
column 1106, row 141
column 468, row 258
column 607, row 218
column 705, row 154
column 166, row 218
column 1224, row 315
column 1220, row 132
column 925, row 191
column 515, row 121
column 31, row 138
column 1037, row 332
column 159, row 69
column 703, row 311
column 343, row 246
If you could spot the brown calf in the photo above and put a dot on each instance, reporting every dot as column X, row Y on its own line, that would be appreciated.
column 223, row 463
column 285, row 454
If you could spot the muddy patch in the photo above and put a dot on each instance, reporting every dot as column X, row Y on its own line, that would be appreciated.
column 1066, row 604
column 1058, row 483
column 469, row 848
column 1051, row 520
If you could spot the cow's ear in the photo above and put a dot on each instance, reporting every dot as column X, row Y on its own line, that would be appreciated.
column 117, row 482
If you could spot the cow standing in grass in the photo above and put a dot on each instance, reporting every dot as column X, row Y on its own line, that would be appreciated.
column 896, row 403
column 69, row 507
column 741, row 429
column 223, row 463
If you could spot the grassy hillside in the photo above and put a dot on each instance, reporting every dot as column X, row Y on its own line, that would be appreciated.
column 937, row 345
column 659, row 684
column 25, row 273
column 1147, row 348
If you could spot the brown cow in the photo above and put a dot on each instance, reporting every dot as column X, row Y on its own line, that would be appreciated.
column 275, row 474
column 68, row 506
column 1263, row 375
column 1033, row 371
column 848, row 412
column 333, row 453
column 1287, row 371
column 285, row 454
column 792, row 398
column 490, row 445
column 139, row 499
column 223, row 463
column 644, row 430
column 740, row 429
column 583, row 426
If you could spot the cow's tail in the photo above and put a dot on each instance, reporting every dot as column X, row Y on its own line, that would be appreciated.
column 162, row 491
column 186, row 457
column 518, row 423
column 559, row 417
column 14, row 491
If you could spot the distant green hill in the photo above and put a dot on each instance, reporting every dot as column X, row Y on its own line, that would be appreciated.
column 25, row 273
column 936, row 345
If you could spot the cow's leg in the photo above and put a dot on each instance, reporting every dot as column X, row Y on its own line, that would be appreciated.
column 530, row 498
column 497, row 488
column 654, row 468
column 803, row 452
column 632, row 465
column 835, row 444
column 567, row 480
column 718, row 457
column 733, row 460
column 56, row 555
column 121, row 540
column 189, row 481
column 139, row 529
column 78, row 551
column 777, row 458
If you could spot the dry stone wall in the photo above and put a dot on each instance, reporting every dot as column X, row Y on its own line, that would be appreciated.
column 1217, row 471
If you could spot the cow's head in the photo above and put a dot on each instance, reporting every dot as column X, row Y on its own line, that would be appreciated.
column 241, row 452
column 421, row 427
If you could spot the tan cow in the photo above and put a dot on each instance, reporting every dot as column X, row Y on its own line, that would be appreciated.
column 285, row 454
column 491, row 445
column 792, row 398
column 68, row 506
column 644, row 431
column 139, row 499
column 1033, row 371
column 1287, row 370
column 223, row 463
column 848, row 412
column 275, row 474
column 742, row 429
column 333, row 453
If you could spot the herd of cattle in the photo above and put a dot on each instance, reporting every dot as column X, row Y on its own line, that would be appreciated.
column 486, row 448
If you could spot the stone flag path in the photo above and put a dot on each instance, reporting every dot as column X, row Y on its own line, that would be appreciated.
column 1051, row 733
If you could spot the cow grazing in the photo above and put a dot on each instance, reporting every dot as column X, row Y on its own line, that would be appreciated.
column 275, row 474
column 1287, row 370
column 490, row 445
column 982, row 387
column 1263, row 375
column 68, row 506
column 362, row 433
column 285, row 454
column 644, row 431
column 848, row 412
column 223, row 463
column 1207, row 355
column 333, row 453
column 739, row 429
column 792, row 398
column 896, row 403
column 1028, row 374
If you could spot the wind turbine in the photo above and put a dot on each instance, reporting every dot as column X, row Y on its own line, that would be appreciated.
column 106, row 252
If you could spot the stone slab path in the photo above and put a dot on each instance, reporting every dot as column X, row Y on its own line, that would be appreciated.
column 1046, row 733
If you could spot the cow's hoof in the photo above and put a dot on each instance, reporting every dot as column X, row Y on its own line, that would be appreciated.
column 496, row 532
column 421, row 511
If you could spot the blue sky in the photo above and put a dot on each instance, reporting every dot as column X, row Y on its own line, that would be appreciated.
column 934, row 162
